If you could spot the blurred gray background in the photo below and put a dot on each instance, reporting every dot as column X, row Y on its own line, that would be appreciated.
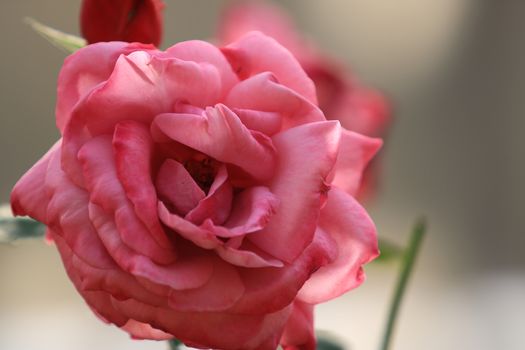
column 454, row 71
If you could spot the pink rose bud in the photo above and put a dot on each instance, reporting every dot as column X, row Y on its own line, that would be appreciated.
column 200, row 193
column 122, row 20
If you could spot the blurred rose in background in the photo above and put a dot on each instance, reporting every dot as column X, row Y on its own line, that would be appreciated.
column 340, row 95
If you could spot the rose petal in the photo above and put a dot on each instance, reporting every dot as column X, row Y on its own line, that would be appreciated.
column 106, row 191
column 353, row 230
column 144, row 86
column 245, row 57
column 307, row 154
column 67, row 216
column 203, row 52
column 201, row 237
column 299, row 329
column 216, row 206
column 143, row 331
column 29, row 196
column 221, row 291
column 208, row 329
column 133, row 149
column 253, row 209
column 249, row 256
column 269, row 123
column 186, row 273
column 279, row 286
column 79, row 75
column 262, row 92
column 177, row 188
column 113, row 280
column 220, row 134
column 354, row 154
column 270, row 330
column 100, row 302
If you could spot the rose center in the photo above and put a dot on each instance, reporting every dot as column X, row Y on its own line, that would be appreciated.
column 203, row 171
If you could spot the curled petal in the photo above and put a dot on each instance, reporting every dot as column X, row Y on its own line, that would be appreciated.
column 253, row 209
column 269, row 123
column 143, row 331
column 246, row 60
column 185, row 273
column 79, row 75
column 307, row 155
column 106, row 191
column 220, row 134
column 203, row 52
column 201, row 237
column 279, row 286
column 146, row 85
column 29, row 196
column 177, row 188
column 250, row 256
column 68, row 217
column 355, row 153
column 133, row 149
column 262, row 92
column 216, row 206
column 353, row 230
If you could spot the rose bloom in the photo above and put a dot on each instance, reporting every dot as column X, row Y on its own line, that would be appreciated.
column 341, row 96
column 200, row 193
column 126, row 20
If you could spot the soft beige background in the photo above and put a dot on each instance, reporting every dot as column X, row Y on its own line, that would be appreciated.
column 454, row 70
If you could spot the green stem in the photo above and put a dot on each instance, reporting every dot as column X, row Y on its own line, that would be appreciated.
column 407, row 265
column 389, row 252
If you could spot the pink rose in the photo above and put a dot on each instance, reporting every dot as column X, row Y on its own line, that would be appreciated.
column 341, row 97
column 200, row 193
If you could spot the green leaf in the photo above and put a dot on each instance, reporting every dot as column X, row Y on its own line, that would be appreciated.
column 389, row 251
column 12, row 229
column 66, row 42
column 407, row 265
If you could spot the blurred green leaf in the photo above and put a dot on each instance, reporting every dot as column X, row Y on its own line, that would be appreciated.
column 328, row 344
column 12, row 229
column 389, row 251
column 175, row 344
column 66, row 42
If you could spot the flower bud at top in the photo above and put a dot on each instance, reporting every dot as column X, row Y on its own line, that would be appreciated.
column 122, row 20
